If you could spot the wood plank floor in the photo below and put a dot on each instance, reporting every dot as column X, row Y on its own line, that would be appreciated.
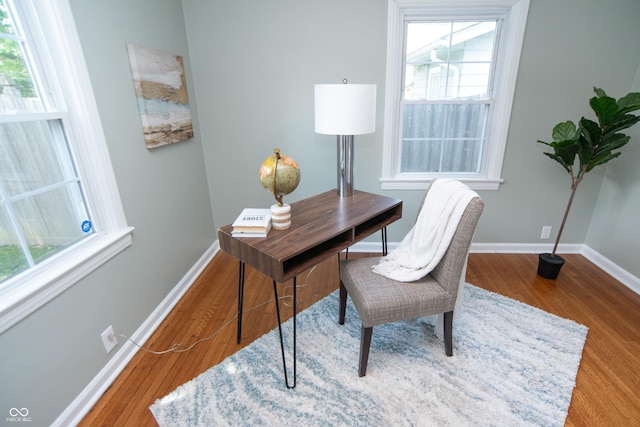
column 608, row 381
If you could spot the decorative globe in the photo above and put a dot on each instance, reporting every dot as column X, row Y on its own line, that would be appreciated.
column 279, row 175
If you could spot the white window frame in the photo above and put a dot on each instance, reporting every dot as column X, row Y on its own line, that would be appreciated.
column 514, row 13
column 56, row 33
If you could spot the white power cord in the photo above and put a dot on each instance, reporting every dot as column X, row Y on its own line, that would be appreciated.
column 176, row 348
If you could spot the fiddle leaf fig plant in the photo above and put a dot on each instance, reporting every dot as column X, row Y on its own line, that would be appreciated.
column 580, row 149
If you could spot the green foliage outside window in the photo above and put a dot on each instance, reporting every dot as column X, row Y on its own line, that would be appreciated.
column 12, row 259
column 13, row 66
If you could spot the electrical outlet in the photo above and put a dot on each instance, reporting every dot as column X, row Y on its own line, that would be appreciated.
column 109, row 339
column 546, row 232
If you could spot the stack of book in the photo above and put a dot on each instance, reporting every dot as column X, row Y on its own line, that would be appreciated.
column 252, row 223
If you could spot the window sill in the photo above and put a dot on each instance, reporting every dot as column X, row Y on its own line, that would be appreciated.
column 422, row 183
column 26, row 293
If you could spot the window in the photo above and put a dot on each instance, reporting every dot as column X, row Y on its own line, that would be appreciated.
column 451, row 71
column 54, row 229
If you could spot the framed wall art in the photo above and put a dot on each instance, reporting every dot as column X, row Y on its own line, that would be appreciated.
column 161, row 93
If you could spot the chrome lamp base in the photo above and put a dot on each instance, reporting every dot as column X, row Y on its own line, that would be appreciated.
column 345, row 166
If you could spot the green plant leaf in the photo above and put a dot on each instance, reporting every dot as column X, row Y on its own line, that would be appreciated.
column 566, row 150
column 591, row 131
column 605, row 109
column 629, row 102
column 564, row 131
column 584, row 155
column 559, row 160
column 620, row 122
column 599, row 92
column 611, row 142
column 601, row 160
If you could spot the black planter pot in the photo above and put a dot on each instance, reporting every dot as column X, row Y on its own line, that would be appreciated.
column 549, row 265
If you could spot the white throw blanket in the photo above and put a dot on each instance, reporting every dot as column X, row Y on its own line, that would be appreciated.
column 424, row 246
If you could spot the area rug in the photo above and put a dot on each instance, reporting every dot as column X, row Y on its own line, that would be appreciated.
column 513, row 365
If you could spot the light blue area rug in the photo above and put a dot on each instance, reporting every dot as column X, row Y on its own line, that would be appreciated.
column 513, row 365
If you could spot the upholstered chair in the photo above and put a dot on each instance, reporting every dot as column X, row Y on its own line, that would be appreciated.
column 380, row 300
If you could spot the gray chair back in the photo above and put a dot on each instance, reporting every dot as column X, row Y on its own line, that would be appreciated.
column 450, row 267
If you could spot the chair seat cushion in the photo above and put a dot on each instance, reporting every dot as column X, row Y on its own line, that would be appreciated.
column 379, row 299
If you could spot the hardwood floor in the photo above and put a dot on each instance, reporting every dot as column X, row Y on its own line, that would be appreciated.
column 608, row 380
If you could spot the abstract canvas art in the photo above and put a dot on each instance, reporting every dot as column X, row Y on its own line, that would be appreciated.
column 161, row 92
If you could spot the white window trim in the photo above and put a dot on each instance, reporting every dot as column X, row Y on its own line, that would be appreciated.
column 505, row 83
column 27, row 292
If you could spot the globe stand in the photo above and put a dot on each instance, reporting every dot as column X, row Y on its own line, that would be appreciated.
column 279, row 175
column 281, row 216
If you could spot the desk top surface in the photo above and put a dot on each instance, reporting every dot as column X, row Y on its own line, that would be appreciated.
column 318, row 221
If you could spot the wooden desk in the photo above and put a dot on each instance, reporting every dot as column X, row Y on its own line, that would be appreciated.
column 321, row 227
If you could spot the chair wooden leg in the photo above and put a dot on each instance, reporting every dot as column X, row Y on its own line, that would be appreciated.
column 343, row 303
column 365, row 345
column 448, row 332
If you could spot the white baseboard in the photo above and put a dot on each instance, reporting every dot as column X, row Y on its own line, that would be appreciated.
column 614, row 270
column 82, row 404
column 372, row 247
column 507, row 248
column 523, row 248
column 611, row 268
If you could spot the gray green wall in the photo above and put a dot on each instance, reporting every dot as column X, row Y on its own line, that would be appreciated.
column 251, row 66
column 255, row 64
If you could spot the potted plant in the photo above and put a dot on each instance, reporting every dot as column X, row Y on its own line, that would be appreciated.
column 593, row 144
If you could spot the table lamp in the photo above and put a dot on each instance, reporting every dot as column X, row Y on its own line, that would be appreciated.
column 345, row 110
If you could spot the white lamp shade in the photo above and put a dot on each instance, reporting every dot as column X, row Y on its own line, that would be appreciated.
column 345, row 109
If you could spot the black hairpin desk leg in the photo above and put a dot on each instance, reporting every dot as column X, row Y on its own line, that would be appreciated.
column 385, row 248
column 284, row 360
column 384, row 241
column 295, row 301
column 240, row 298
